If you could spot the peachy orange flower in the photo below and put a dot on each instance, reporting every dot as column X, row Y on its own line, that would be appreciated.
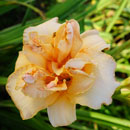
column 58, row 68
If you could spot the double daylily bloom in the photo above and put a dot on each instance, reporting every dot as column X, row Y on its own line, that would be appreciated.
column 59, row 68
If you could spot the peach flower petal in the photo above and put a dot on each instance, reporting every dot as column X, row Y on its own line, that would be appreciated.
column 63, row 42
column 46, row 28
column 33, row 57
column 36, row 89
column 27, row 106
column 92, row 40
column 80, row 83
column 56, row 69
column 21, row 61
column 77, row 41
column 104, row 85
column 75, row 63
column 62, row 112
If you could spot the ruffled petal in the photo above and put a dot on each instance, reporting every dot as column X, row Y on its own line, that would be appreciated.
column 56, row 69
column 80, row 82
column 21, row 61
column 77, row 41
column 92, row 40
column 36, row 89
column 27, row 105
column 75, row 63
column 33, row 80
column 34, row 57
column 67, row 41
column 63, row 42
column 63, row 50
column 62, row 112
column 104, row 85
column 47, row 28
column 81, row 72
column 37, row 40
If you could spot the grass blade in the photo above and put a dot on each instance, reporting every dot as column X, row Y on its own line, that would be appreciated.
column 3, row 80
column 103, row 119
column 117, row 14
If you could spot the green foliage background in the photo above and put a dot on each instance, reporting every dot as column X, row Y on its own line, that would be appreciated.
column 110, row 17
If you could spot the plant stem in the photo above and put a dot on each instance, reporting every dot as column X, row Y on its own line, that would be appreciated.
column 117, row 14
column 27, row 5
column 115, row 52
column 123, row 68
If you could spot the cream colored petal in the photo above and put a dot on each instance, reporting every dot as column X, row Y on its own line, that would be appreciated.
column 81, row 79
column 28, row 106
column 80, row 82
column 64, row 50
column 46, row 28
column 76, row 63
column 33, row 79
column 62, row 112
column 35, row 38
column 104, row 85
column 56, row 69
column 92, row 40
column 67, row 41
column 77, row 41
column 85, row 57
column 36, row 90
column 63, row 42
column 34, row 57
column 21, row 61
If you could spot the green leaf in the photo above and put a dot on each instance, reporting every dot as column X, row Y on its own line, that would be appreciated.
column 103, row 119
column 117, row 14
column 123, row 68
column 13, row 121
column 3, row 80
column 4, row 8
column 115, row 52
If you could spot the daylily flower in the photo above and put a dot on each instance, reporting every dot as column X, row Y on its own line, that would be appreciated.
column 59, row 68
